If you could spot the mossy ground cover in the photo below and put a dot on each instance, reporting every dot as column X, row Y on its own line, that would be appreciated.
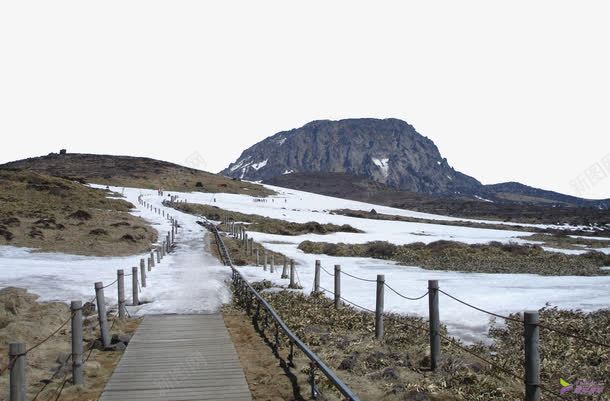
column 494, row 257
column 565, row 241
column 264, row 224
column 397, row 368
column 59, row 215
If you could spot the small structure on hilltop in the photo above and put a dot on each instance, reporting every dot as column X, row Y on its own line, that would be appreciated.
column 62, row 152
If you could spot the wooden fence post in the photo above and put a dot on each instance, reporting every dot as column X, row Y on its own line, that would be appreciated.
column 76, row 307
column 379, row 307
column 134, row 286
column 142, row 274
column 121, row 292
column 265, row 261
column 148, row 264
column 435, row 324
column 292, row 271
column 285, row 268
column 337, row 286
column 532, row 355
column 316, row 279
column 272, row 264
column 257, row 257
column 101, row 313
column 16, row 353
column 251, row 245
column 152, row 258
column 158, row 255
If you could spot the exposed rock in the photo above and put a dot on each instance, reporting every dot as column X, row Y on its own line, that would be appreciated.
column 389, row 151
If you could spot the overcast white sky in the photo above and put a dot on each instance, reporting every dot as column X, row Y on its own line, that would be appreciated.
column 511, row 91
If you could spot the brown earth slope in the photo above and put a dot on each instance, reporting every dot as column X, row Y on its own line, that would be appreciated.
column 139, row 172
column 55, row 214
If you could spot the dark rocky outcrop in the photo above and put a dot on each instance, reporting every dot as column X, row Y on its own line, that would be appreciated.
column 389, row 151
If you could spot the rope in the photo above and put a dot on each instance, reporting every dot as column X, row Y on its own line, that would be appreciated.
column 48, row 337
column 111, row 284
column 481, row 310
column 404, row 296
column 349, row 302
column 359, row 278
column 327, row 272
column 565, row 333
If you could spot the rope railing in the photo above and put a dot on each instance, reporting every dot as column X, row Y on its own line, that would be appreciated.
column 17, row 356
column 404, row 296
column 244, row 288
column 359, row 278
column 480, row 309
column 348, row 301
column 577, row 337
column 529, row 321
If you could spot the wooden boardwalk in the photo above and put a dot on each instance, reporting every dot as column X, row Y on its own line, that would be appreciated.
column 179, row 358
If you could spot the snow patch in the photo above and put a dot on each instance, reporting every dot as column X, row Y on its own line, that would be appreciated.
column 259, row 165
column 281, row 141
column 483, row 199
column 239, row 164
column 383, row 165
column 288, row 172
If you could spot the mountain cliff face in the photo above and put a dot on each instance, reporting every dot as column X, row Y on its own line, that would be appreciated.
column 388, row 151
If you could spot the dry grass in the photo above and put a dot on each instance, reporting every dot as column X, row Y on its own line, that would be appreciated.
column 25, row 320
column 396, row 368
column 58, row 215
column 565, row 241
column 493, row 257
column 269, row 378
column 138, row 172
column 241, row 258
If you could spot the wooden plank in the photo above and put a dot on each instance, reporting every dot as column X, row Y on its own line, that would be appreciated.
column 179, row 358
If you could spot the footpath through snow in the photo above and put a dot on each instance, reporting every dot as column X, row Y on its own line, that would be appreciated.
column 188, row 280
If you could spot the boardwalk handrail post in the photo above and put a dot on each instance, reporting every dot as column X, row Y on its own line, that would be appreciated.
column 379, row 307
column 142, row 274
column 435, row 324
column 16, row 357
column 101, row 313
column 134, row 286
column 121, row 292
column 316, row 279
column 76, row 308
column 531, row 334
column 292, row 271
column 337, row 286
column 285, row 268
